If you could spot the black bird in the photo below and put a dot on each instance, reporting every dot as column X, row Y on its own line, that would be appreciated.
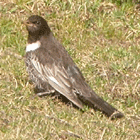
column 51, row 68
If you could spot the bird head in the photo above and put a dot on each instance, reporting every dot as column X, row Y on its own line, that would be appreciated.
column 36, row 25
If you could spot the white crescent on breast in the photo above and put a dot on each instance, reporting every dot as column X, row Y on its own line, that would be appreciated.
column 33, row 46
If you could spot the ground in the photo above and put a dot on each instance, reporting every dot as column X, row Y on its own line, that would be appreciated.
column 103, row 39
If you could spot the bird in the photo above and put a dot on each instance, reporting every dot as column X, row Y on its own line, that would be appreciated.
column 51, row 69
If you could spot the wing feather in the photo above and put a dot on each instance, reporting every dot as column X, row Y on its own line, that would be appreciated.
column 57, row 77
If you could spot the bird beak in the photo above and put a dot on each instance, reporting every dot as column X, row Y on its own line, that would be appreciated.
column 27, row 23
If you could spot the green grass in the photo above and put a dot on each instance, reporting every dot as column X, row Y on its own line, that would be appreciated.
column 103, row 39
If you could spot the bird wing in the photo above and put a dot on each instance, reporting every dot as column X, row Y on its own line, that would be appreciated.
column 56, row 75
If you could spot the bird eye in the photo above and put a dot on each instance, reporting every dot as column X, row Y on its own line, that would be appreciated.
column 36, row 22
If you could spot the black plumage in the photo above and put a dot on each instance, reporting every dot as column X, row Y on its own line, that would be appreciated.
column 52, row 69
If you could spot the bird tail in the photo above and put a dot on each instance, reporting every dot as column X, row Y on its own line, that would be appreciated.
column 98, row 102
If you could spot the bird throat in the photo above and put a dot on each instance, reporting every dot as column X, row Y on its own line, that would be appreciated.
column 33, row 37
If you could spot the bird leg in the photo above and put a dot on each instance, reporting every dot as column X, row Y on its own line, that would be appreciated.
column 45, row 93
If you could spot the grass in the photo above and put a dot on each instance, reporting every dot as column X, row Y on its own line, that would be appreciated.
column 103, row 39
